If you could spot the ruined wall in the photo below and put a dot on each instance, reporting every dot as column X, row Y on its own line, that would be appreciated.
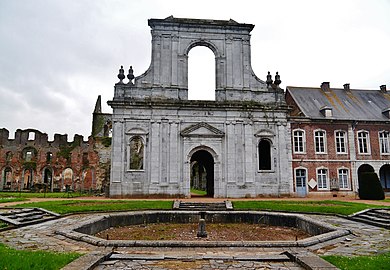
column 31, row 162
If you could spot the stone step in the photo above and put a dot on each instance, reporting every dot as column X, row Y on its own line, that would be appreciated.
column 26, row 216
column 375, row 218
column 371, row 222
column 199, row 206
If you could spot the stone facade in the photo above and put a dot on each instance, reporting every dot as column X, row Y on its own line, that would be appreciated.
column 238, row 143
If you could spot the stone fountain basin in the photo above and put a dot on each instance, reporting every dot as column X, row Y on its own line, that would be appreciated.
column 320, row 231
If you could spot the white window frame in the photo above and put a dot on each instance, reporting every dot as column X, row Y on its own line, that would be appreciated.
column 341, row 183
column 367, row 140
column 323, row 137
column 303, row 141
column 326, row 179
column 384, row 142
column 338, row 138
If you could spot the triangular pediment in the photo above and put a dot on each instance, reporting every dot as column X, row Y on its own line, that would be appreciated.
column 202, row 130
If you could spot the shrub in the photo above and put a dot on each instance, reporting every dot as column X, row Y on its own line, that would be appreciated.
column 370, row 187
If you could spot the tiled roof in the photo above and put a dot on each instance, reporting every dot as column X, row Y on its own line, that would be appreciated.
column 364, row 105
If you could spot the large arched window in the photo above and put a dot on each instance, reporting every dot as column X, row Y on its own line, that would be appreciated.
column 264, row 149
column 201, row 74
column 136, row 157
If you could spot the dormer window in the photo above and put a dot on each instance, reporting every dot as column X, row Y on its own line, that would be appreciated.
column 386, row 112
column 326, row 111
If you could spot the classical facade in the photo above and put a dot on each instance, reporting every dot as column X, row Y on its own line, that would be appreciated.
column 336, row 135
column 164, row 144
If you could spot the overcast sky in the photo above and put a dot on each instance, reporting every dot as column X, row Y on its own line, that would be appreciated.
column 57, row 56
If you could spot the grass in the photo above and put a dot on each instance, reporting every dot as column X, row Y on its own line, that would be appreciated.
column 11, row 199
column 38, row 194
column 198, row 192
column 77, row 206
column 25, row 259
column 376, row 262
column 327, row 206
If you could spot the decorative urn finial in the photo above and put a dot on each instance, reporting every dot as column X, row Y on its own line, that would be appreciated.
column 130, row 76
column 269, row 79
column 121, row 75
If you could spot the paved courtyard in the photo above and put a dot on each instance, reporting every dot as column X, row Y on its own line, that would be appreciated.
column 364, row 240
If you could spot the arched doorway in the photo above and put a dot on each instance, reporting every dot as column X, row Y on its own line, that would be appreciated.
column 364, row 168
column 47, row 178
column 384, row 173
column 202, row 172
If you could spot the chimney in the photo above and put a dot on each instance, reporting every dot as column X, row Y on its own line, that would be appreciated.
column 325, row 86
column 383, row 88
column 346, row 87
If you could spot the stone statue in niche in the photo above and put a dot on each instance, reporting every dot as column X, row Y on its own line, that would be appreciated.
column 136, row 154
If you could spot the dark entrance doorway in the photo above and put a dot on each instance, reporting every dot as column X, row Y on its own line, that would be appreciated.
column 384, row 173
column 202, row 172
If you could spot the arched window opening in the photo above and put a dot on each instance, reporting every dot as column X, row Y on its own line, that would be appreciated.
column 201, row 74
column 49, row 157
column 7, row 178
column 29, row 154
column 264, row 155
column 136, row 161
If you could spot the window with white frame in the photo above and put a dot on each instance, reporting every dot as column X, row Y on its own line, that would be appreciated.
column 343, row 178
column 299, row 141
column 322, row 178
column 363, row 142
column 320, row 141
column 384, row 142
column 341, row 139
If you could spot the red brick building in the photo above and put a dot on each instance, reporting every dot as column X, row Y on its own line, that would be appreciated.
column 31, row 162
column 336, row 134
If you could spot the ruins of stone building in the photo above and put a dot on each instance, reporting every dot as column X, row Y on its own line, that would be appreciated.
column 239, row 143
column 31, row 162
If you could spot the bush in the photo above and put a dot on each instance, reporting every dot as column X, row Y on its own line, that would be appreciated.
column 370, row 187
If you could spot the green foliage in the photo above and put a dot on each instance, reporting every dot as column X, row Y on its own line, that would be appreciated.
column 97, row 125
column 377, row 262
column 25, row 259
column 370, row 187
column 29, row 165
column 328, row 206
column 76, row 206
column 66, row 150
column 106, row 141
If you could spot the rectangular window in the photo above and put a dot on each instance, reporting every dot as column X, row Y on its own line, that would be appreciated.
column 319, row 140
column 343, row 179
column 299, row 140
column 322, row 175
column 384, row 142
column 363, row 142
column 340, row 142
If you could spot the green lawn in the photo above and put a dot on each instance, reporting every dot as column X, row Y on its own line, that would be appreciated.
column 198, row 192
column 328, row 206
column 76, row 206
column 11, row 199
column 39, row 194
column 25, row 259
column 376, row 262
